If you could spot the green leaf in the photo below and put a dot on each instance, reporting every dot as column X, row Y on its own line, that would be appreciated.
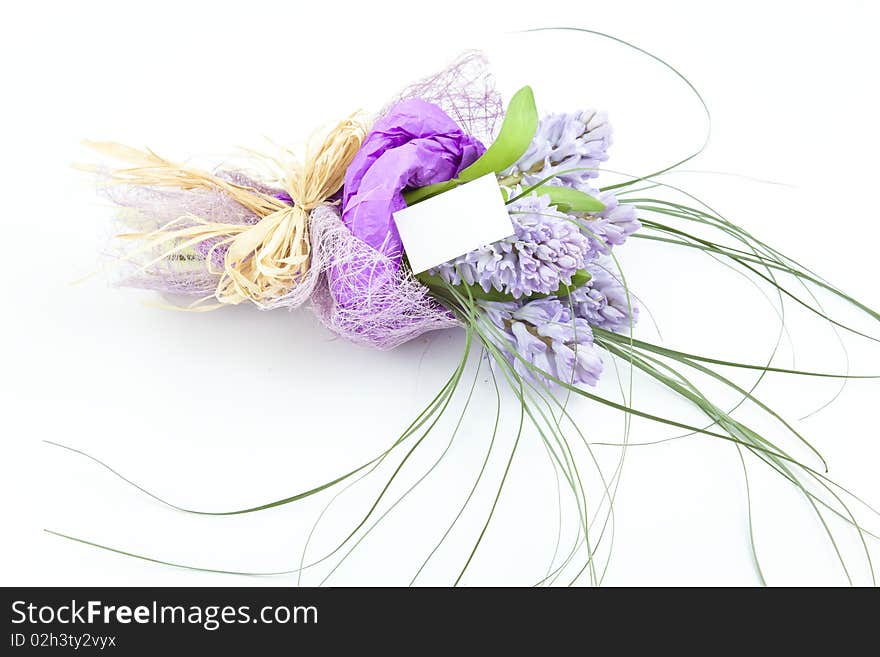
column 436, row 282
column 517, row 131
column 413, row 196
column 579, row 278
column 567, row 199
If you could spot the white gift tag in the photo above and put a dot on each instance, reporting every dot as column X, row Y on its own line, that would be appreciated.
column 452, row 223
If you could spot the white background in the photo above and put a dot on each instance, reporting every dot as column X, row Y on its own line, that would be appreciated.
column 235, row 408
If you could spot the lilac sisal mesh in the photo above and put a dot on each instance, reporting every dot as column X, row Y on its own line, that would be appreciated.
column 391, row 314
column 145, row 209
column 465, row 90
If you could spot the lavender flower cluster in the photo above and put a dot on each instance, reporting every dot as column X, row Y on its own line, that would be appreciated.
column 545, row 334
column 542, row 334
column 567, row 148
column 546, row 250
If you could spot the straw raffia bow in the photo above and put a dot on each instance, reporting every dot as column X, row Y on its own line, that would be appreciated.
column 267, row 260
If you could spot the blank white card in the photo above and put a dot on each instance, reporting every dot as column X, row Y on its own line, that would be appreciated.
column 452, row 223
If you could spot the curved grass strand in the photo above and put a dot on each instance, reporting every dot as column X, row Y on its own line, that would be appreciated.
column 417, row 482
column 668, row 66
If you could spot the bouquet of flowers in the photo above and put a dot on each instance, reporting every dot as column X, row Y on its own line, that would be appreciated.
column 545, row 299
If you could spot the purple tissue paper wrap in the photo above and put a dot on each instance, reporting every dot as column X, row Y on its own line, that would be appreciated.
column 413, row 145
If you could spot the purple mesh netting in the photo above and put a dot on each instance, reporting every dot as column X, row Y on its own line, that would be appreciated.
column 187, row 272
column 391, row 314
column 145, row 209
column 465, row 90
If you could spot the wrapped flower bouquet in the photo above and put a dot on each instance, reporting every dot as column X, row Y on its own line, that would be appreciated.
column 452, row 209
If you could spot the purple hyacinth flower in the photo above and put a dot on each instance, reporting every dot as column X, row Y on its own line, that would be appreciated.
column 613, row 225
column 564, row 142
column 603, row 301
column 543, row 254
column 544, row 334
